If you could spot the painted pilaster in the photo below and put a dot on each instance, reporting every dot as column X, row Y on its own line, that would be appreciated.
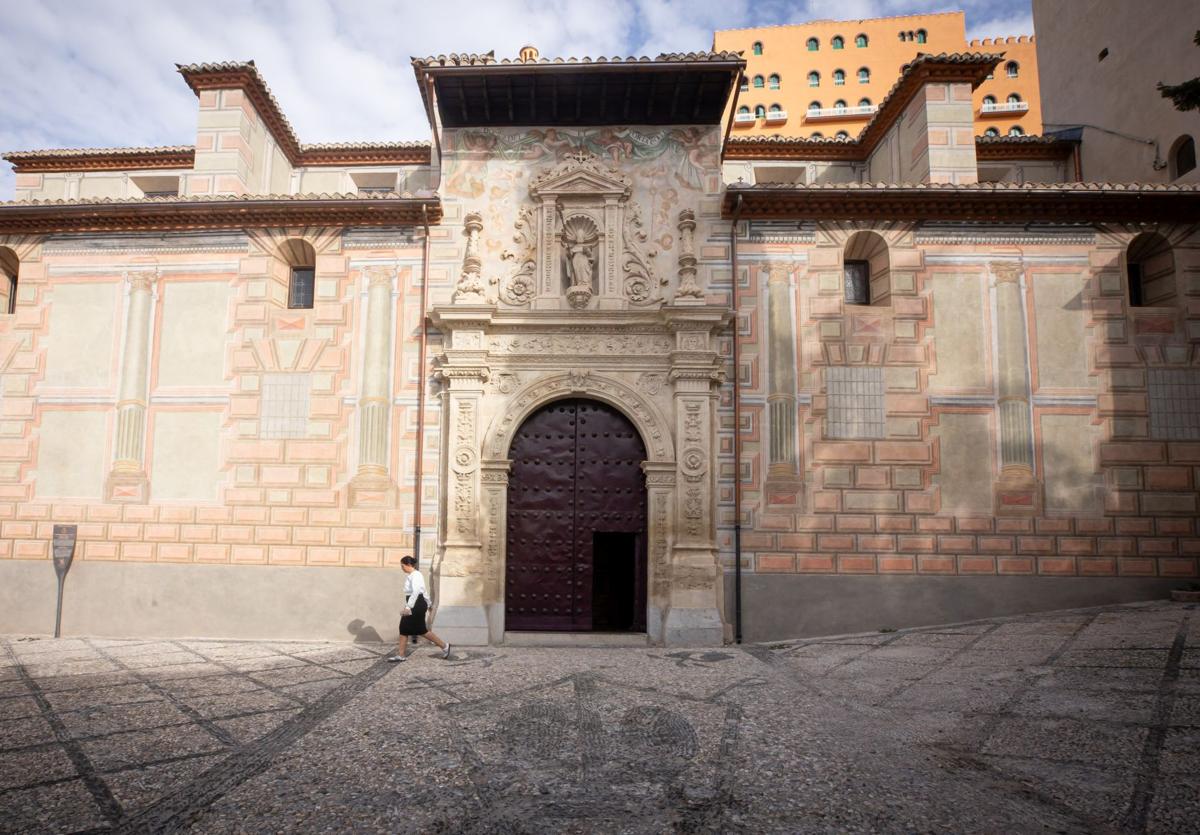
column 127, row 481
column 372, row 485
column 1017, row 491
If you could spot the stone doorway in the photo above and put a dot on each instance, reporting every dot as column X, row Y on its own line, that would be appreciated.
column 576, row 521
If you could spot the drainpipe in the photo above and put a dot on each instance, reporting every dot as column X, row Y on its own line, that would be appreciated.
column 421, row 389
column 737, row 431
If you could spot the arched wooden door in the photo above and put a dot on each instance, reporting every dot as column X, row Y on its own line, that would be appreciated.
column 576, row 543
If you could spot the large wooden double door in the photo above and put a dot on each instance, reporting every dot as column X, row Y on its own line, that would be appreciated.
column 576, row 526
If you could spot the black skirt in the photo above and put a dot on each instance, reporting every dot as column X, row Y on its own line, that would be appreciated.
column 414, row 624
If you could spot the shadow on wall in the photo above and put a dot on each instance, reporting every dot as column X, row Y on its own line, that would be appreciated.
column 363, row 634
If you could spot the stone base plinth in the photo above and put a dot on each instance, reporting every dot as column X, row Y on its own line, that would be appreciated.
column 693, row 628
column 131, row 487
column 465, row 625
column 372, row 491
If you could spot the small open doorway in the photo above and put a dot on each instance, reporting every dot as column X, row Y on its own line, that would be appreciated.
column 617, row 598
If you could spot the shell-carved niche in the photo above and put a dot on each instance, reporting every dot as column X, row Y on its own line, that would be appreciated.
column 581, row 242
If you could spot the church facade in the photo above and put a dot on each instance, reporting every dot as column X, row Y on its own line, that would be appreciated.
column 602, row 366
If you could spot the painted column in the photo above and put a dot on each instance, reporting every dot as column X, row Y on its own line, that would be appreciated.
column 781, row 396
column 127, row 481
column 1017, row 490
column 371, row 484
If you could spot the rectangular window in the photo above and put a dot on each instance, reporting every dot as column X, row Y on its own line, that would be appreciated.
column 858, row 282
column 300, row 290
column 855, row 405
column 1174, row 404
column 284, row 410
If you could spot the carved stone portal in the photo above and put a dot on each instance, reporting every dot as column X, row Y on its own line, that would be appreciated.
column 582, row 244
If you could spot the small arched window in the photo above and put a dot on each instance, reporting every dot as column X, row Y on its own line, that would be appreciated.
column 813, row 44
column 775, row 110
column 864, row 75
column 10, row 266
column 1012, row 69
column 867, row 274
column 838, row 42
column 1182, row 156
column 864, row 102
column 921, row 36
column 989, row 99
column 817, row 135
column 773, row 81
column 902, row 37
column 1013, row 98
column 757, row 48
column 760, row 112
column 743, row 110
column 841, row 134
column 860, row 41
column 745, row 84
column 839, row 106
column 814, row 79
column 813, row 107
column 839, row 77
column 1016, row 130
column 302, row 259
column 758, row 81
column 991, row 132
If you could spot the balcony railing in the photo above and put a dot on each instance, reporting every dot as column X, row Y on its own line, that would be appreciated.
column 1004, row 107
column 862, row 112
column 776, row 117
column 744, row 119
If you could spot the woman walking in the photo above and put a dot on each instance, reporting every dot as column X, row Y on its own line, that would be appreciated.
column 416, row 605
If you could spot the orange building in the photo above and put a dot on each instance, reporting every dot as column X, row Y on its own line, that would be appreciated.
column 826, row 78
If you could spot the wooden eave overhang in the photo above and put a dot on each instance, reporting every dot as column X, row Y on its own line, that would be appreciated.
column 397, row 153
column 101, row 159
column 1023, row 148
column 477, row 91
column 168, row 214
column 993, row 202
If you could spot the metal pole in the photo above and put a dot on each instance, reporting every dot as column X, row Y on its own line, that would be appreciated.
column 737, row 432
column 421, row 393
column 58, row 609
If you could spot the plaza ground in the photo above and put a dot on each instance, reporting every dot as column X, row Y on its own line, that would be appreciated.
column 1070, row 721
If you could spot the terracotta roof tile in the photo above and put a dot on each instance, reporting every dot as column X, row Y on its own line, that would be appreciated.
column 489, row 59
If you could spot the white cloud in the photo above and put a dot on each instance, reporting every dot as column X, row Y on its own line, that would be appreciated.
column 101, row 73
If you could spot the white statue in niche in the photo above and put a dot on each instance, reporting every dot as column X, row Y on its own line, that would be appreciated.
column 579, row 239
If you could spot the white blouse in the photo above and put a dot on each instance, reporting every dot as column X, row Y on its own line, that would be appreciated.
column 414, row 585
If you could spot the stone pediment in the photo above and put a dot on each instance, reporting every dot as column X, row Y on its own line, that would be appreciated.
column 581, row 174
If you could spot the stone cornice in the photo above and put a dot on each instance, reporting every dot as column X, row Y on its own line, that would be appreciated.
column 214, row 213
column 1069, row 202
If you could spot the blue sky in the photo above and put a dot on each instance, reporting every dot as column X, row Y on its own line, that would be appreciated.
column 100, row 73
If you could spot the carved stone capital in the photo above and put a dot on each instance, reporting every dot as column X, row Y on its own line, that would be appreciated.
column 1006, row 271
column 141, row 281
column 380, row 274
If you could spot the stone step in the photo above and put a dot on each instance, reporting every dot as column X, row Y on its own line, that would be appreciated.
column 576, row 639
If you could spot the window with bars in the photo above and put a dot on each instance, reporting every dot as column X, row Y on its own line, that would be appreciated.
column 300, row 288
column 855, row 402
column 858, row 282
column 285, row 405
column 1174, row 404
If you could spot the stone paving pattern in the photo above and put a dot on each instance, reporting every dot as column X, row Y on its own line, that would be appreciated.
column 1074, row 721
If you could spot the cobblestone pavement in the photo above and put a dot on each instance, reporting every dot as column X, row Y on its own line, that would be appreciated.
column 1077, row 721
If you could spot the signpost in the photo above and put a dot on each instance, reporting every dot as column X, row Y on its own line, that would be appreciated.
column 64, row 554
